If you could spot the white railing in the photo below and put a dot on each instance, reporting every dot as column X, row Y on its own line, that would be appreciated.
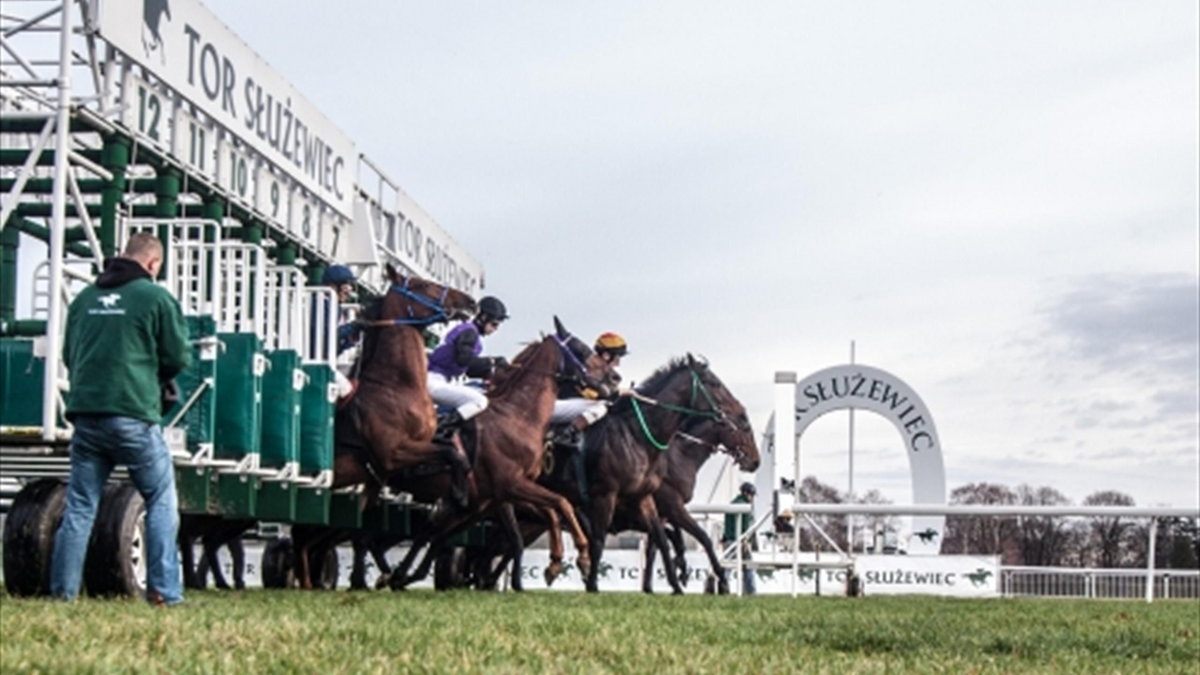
column 1151, row 513
column 1066, row 582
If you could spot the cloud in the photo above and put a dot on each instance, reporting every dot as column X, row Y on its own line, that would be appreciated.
column 1147, row 326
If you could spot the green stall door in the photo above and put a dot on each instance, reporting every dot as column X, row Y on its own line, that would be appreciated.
column 240, row 367
column 20, row 384
column 316, row 420
column 282, row 386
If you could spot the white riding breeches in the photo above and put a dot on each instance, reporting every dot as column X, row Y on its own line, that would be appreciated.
column 568, row 409
column 344, row 387
column 468, row 401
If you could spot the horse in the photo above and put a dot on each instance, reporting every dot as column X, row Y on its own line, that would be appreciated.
column 213, row 532
column 687, row 453
column 625, row 458
column 510, row 435
column 389, row 424
column 627, row 465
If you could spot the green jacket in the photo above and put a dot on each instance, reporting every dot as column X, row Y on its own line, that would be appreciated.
column 125, row 336
column 731, row 520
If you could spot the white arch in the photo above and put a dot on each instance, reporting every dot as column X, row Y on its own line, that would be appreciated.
column 866, row 388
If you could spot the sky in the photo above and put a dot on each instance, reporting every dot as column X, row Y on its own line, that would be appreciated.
column 996, row 201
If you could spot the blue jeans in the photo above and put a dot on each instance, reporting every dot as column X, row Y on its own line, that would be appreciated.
column 98, row 443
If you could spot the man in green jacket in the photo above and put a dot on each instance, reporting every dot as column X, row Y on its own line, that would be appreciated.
column 745, row 496
column 125, row 337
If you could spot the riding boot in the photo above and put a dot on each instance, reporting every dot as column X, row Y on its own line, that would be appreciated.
column 447, row 425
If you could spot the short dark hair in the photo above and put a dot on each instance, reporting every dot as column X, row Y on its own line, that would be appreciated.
column 141, row 245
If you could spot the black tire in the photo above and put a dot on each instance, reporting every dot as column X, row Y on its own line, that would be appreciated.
column 278, row 570
column 449, row 569
column 29, row 532
column 116, row 559
column 323, row 565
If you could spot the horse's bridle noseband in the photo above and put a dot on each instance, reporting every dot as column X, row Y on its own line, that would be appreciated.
column 438, row 306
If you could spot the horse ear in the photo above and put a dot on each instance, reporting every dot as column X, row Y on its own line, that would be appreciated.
column 561, row 330
column 691, row 360
column 391, row 272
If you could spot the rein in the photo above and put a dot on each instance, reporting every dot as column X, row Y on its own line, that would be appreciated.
column 715, row 413
column 438, row 306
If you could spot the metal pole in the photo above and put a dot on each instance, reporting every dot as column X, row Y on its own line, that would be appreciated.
column 737, row 541
column 850, row 518
column 58, row 228
column 1150, row 560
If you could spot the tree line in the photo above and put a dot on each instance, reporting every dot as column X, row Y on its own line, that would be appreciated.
column 1105, row 542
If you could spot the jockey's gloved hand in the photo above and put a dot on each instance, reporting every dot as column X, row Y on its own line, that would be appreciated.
column 498, row 362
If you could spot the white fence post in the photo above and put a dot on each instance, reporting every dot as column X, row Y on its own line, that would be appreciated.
column 1150, row 560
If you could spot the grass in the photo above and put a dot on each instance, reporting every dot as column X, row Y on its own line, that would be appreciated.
column 424, row 631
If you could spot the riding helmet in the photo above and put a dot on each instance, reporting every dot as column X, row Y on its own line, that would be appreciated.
column 491, row 308
column 612, row 343
column 336, row 275
column 748, row 488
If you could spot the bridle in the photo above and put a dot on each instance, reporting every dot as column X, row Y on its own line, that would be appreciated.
column 440, row 315
column 690, row 412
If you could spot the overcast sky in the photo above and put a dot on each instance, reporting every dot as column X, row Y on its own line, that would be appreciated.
column 996, row 200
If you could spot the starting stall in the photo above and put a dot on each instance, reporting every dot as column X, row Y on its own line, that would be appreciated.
column 113, row 121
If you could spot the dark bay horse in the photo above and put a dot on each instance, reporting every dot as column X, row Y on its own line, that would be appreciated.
column 389, row 424
column 685, row 456
column 628, row 462
column 510, row 437
column 625, row 452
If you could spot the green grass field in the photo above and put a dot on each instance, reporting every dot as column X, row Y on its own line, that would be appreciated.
column 424, row 631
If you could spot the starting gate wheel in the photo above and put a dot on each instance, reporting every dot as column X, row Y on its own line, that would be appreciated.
column 323, row 565
column 277, row 564
column 29, row 532
column 450, row 569
column 116, row 558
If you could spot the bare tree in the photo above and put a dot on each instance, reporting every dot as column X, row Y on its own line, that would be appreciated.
column 982, row 535
column 1108, row 541
column 1043, row 540
column 814, row 491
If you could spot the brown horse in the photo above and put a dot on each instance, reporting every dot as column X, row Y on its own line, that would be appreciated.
column 625, row 456
column 389, row 424
column 628, row 466
column 510, row 437
column 688, row 452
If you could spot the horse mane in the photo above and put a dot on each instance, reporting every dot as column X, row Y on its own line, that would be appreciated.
column 654, row 384
column 505, row 377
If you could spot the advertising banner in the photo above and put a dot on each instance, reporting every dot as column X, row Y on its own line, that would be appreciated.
column 194, row 54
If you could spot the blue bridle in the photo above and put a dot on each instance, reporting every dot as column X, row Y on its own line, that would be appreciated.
column 438, row 306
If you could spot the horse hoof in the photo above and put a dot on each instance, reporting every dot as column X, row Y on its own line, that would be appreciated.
column 677, row 591
column 382, row 582
column 552, row 571
column 584, row 564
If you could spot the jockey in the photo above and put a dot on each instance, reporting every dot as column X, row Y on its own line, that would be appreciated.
column 459, row 355
column 580, row 413
column 572, row 414
column 341, row 279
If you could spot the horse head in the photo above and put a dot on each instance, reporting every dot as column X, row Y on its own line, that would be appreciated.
column 727, row 419
column 592, row 375
column 415, row 301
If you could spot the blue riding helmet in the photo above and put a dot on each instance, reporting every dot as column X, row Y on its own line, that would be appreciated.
column 337, row 275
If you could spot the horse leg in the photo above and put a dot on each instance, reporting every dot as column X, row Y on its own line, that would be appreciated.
column 508, row 518
column 358, row 569
column 648, row 568
column 302, row 538
column 453, row 524
column 378, row 546
column 212, row 544
column 675, row 535
column 654, row 526
column 602, row 513
column 187, row 558
column 238, row 553
column 684, row 521
column 553, row 505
